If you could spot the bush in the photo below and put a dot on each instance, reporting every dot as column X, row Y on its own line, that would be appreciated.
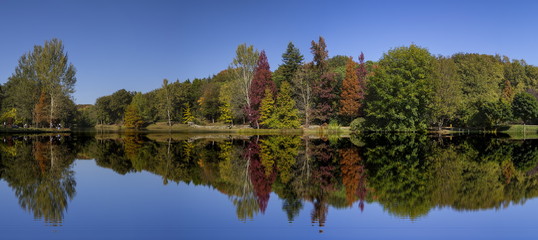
column 357, row 124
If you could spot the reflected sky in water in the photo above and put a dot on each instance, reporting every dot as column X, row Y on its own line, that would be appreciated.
column 137, row 205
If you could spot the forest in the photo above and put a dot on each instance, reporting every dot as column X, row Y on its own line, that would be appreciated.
column 407, row 89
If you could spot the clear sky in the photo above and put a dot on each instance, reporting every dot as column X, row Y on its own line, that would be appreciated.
column 135, row 44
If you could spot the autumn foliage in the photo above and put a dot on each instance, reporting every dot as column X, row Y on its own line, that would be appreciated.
column 260, row 82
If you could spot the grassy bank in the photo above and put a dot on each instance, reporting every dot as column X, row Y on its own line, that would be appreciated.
column 162, row 127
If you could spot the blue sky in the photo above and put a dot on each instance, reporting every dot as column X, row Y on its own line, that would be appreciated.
column 135, row 44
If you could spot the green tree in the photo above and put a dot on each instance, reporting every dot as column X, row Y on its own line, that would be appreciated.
column 57, row 75
column 399, row 93
column 292, row 59
column 447, row 93
column 133, row 119
column 491, row 114
column 242, row 68
column 167, row 101
column 267, row 109
column 187, row 115
column 44, row 69
column 481, row 77
column 285, row 115
column 525, row 107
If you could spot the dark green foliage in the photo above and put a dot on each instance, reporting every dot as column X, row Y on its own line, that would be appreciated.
column 46, row 69
column 399, row 94
column 292, row 59
column 525, row 107
column 492, row 114
column 110, row 109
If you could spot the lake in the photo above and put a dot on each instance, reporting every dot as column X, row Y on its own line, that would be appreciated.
column 405, row 186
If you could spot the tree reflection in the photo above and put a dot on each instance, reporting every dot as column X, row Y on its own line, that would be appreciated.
column 407, row 174
column 40, row 175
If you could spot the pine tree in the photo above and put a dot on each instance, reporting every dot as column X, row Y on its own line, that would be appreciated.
column 133, row 119
column 285, row 114
column 292, row 60
column 350, row 99
column 267, row 109
column 187, row 115
column 260, row 82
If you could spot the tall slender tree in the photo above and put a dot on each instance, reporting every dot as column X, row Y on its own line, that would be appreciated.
column 261, row 81
column 321, row 55
column 302, row 84
column 56, row 74
column 242, row 67
column 167, row 103
column 350, row 98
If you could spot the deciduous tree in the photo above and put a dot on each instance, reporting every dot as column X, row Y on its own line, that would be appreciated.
column 350, row 98
column 261, row 82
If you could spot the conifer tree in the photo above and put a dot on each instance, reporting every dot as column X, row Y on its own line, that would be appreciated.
column 350, row 98
column 267, row 109
column 285, row 114
column 292, row 60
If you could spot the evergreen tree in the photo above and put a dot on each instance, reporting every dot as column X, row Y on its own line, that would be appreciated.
column 266, row 109
column 350, row 98
column 285, row 113
column 292, row 59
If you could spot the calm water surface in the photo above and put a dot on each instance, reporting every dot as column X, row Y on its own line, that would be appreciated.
column 267, row 187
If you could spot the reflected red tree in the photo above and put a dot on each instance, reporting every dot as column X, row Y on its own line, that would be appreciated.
column 261, row 181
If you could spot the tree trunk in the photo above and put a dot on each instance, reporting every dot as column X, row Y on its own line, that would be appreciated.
column 51, row 110
column 169, row 120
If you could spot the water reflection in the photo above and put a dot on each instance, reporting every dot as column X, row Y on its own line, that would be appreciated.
column 407, row 174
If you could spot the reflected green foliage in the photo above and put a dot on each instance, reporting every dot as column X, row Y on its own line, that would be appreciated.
column 39, row 172
column 407, row 174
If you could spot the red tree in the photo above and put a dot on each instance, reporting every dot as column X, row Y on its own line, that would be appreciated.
column 261, row 81
column 323, row 90
column 362, row 74
column 349, row 98
column 261, row 182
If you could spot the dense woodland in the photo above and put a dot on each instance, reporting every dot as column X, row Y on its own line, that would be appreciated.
column 408, row 89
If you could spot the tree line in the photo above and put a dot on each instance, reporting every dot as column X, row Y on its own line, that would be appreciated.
column 408, row 89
